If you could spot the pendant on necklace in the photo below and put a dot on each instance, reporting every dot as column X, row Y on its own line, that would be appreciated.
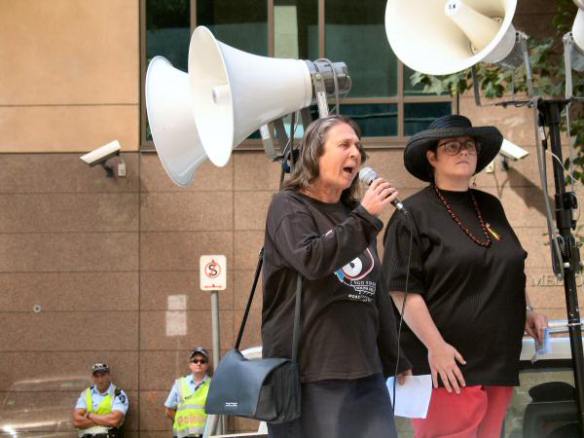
column 492, row 232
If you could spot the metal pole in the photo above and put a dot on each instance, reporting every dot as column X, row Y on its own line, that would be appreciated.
column 210, row 426
column 565, row 203
column 216, row 345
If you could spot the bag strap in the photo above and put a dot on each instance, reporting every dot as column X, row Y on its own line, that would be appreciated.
column 249, row 300
column 297, row 308
column 296, row 331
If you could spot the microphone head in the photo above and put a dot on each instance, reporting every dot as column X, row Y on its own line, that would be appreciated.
column 367, row 175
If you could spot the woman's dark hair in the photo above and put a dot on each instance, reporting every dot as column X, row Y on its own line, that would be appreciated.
column 430, row 169
column 312, row 148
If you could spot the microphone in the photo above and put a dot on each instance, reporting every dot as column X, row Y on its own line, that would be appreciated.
column 367, row 175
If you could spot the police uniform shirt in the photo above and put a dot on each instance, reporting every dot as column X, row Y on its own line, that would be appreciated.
column 120, row 402
column 173, row 398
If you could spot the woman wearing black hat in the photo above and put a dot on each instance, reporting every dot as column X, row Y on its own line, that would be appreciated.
column 467, row 308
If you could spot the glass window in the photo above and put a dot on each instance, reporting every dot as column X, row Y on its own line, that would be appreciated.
column 355, row 34
column 296, row 29
column 167, row 34
column 168, row 31
column 242, row 24
column 419, row 115
column 409, row 89
column 374, row 119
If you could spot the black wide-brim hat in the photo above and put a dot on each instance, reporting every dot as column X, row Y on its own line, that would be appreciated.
column 489, row 139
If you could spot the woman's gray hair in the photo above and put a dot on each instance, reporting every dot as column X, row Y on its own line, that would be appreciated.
column 306, row 169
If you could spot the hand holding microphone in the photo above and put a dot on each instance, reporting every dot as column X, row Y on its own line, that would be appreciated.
column 379, row 194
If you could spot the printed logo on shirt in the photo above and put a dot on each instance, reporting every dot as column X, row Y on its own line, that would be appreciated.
column 353, row 274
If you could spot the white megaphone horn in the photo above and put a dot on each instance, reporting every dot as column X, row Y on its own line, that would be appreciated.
column 169, row 109
column 235, row 92
column 574, row 49
column 439, row 37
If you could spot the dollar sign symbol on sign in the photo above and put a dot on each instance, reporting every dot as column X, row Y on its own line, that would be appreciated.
column 212, row 269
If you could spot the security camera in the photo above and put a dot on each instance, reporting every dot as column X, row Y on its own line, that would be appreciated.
column 102, row 154
column 512, row 151
column 108, row 156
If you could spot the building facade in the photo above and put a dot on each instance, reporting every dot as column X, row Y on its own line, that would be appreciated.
column 106, row 269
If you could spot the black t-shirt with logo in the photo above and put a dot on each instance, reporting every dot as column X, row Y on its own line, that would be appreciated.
column 348, row 326
column 475, row 295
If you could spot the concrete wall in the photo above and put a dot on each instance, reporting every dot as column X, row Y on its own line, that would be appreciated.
column 70, row 74
column 88, row 265
column 102, row 257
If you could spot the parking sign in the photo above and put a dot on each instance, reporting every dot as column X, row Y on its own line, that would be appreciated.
column 213, row 272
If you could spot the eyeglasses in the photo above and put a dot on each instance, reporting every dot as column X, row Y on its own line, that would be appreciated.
column 454, row 147
column 199, row 361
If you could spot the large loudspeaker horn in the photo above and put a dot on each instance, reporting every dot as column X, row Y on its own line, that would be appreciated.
column 234, row 92
column 574, row 50
column 441, row 37
column 578, row 30
column 170, row 113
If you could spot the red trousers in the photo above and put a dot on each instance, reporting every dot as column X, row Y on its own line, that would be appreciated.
column 477, row 412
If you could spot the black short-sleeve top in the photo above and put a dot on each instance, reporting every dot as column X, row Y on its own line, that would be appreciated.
column 475, row 295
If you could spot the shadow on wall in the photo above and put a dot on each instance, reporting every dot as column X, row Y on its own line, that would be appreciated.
column 520, row 184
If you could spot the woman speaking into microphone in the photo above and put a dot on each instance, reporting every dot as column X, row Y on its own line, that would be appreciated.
column 317, row 227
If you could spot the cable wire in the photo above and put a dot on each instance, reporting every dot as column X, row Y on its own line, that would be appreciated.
column 402, row 313
column 552, row 231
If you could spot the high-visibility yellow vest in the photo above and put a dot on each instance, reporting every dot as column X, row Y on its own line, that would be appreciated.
column 190, row 417
column 106, row 405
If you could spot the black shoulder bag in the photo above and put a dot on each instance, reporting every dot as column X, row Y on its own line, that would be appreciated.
column 263, row 389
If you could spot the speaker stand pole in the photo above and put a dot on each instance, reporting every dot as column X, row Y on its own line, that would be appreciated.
column 565, row 202
column 216, row 346
column 210, row 426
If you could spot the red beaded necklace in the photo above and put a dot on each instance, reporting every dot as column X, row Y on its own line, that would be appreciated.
column 484, row 243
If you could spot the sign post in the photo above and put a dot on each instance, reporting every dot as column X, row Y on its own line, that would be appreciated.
column 213, row 278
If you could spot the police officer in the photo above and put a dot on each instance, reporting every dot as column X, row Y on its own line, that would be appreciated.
column 185, row 404
column 101, row 408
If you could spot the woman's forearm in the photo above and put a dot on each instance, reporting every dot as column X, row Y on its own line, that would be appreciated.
column 418, row 318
